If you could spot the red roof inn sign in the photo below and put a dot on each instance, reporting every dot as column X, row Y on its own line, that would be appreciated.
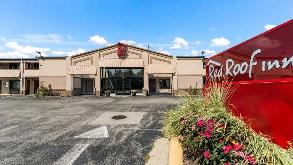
column 233, row 69
column 262, row 69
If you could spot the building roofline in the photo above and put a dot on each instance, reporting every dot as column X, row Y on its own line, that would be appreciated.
column 57, row 57
column 197, row 57
column 18, row 59
column 111, row 46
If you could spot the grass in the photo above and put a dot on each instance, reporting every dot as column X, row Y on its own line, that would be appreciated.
column 213, row 105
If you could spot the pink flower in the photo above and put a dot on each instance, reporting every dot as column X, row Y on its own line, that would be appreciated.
column 210, row 122
column 209, row 128
column 227, row 149
column 240, row 153
column 200, row 123
column 250, row 159
column 207, row 135
column 201, row 133
column 206, row 154
column 227, row 163
column 237, row 146
column 193, row 127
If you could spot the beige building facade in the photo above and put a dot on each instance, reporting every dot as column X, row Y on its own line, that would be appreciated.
column 118, row 69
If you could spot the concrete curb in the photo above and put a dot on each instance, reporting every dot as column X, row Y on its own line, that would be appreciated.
column 176, row 152
column 159, row 154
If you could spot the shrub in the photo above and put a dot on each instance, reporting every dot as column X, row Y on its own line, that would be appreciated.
column 44, row 91
column 211, row 134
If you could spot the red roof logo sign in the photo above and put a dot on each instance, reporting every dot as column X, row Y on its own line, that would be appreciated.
column 122, row 50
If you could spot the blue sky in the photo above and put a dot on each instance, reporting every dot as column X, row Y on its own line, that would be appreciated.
column 66, row 27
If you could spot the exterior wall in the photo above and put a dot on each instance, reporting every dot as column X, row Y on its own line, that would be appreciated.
column 189, row 74
column 64, row 73
column 53, row 72
column 182, row 72
column 56, row 82
column 7, row 74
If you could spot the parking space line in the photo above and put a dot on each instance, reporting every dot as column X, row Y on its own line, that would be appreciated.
column 7, row 130
column 72, row 154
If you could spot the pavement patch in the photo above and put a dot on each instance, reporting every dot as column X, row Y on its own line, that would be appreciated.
column 101, row 132
column 106, row 118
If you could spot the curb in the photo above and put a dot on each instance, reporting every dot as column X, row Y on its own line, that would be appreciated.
column 160, row 152
column 175, row 152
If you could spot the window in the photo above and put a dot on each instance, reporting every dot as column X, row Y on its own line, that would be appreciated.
column 14, row 84
column 165, row 84
column 110, row 73
column 136, row 72
column 32, row 65
column 13, row 65
column 122, row 73
column 122, row 79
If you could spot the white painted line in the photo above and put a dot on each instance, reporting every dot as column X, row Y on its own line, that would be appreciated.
column 72, row 154
column 101, row 132
column 7, row 130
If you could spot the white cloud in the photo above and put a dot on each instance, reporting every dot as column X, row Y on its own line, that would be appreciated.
column 58, row 52
column 162, row 50
column 131, row 42
column 98, row 40
column 21, row 51
column 74, row 52
column 46, row 38
column 208, row 52
column 195, row 52
column 220, row 41
column 179, row 43
column 268, row 26
column 68, row 53
column 25, row 49
column 13, row 54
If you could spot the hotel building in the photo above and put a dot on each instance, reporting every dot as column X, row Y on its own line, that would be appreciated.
column 119, row 68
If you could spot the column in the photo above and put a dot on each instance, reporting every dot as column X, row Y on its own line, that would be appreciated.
column 145, row 81
column 69, row 85
column 98, row 82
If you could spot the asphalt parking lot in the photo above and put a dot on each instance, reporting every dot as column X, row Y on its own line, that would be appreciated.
column 80, row 130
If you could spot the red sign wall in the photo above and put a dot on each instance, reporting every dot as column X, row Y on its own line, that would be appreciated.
column 262, row 67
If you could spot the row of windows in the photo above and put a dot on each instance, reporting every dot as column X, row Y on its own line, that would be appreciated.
column 17, row 66
column 122, row 72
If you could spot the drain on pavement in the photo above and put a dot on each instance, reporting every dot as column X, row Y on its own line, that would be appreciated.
column 119, row 117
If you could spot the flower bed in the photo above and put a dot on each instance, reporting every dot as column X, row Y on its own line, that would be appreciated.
column 211, row 134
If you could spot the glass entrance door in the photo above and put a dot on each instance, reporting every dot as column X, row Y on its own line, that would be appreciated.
column 121, row 80
column 123, row 86
column 87, row 86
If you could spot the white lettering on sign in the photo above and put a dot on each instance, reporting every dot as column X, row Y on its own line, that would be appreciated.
column 232, row 69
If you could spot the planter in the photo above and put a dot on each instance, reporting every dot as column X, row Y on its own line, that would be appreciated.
column 133, row 93
column 145, row 92
column 107, row 93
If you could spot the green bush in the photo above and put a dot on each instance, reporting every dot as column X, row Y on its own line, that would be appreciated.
column 44, row 91
column 211, row 134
